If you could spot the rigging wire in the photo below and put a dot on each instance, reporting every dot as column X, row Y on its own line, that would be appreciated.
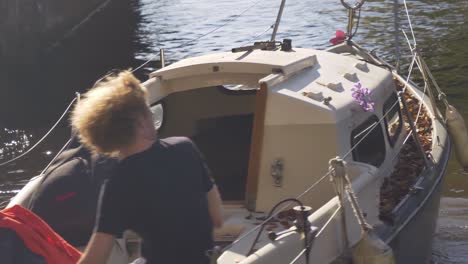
column 410, row 24
column 423, row 68
column 328, row 222
column 420, row 67
column 230, row 19
column 420, row 107
column 318, row 234
column 258, row 35
column 43, row 137
column 65, row 146
column 298, row 256
column 412, row 49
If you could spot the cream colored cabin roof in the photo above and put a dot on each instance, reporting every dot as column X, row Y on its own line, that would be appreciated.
column 302, row 79
column 255, row 62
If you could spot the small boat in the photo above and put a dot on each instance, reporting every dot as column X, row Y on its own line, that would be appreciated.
column 278, row 116
column 361, row 150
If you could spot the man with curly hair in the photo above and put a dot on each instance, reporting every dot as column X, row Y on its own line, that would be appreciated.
column 161, row 188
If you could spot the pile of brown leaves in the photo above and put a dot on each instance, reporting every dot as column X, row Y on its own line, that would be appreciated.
column 284, row 219
column 410, row 162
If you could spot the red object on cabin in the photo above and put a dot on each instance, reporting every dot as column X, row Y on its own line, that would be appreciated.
column 340, row 37
column 38, row 236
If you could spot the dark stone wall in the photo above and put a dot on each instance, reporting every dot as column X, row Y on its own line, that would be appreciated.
column 28, row 27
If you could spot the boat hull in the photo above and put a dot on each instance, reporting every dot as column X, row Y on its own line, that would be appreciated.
column 414, row 243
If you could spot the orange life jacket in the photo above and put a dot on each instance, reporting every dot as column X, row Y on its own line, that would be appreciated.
column 38, row 236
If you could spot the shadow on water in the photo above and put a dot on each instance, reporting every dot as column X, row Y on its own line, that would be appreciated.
column 450, row 241
column 34, row 95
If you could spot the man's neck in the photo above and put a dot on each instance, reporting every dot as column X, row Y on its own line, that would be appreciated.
column 137, row 147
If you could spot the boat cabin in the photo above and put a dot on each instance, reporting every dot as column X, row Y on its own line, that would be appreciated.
column 268, row 122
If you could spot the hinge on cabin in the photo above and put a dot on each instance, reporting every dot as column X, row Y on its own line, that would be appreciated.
column 277, row 172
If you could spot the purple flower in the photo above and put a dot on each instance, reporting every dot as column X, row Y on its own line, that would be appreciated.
column 363, row 97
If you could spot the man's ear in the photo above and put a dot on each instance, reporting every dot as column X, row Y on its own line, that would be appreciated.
column 140, row 126
column 140, row 122
column 145, row 127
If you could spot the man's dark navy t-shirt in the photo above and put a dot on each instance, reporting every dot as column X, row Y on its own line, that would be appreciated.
column 160, row 194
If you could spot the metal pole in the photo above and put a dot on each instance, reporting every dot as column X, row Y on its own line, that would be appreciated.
column 413, row 129
column 162, row 58
column 429, row 91
column 278, row 19
column 350, row 22
column 397, row 35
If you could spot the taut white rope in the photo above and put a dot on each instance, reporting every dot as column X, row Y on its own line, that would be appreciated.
column 43, row 137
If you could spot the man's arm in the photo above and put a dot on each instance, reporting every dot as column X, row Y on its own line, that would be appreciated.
column 215, row 207
column 98, row 249
column 215, row 203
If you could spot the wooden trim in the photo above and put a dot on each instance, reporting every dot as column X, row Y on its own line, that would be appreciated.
column 256, row 146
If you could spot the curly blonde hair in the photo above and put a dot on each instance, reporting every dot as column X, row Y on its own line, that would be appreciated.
column 106, row 117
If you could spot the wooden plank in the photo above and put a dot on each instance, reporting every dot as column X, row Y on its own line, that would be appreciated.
column 256, row 146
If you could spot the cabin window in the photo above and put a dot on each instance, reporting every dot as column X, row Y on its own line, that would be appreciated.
column 368, row 142
column 158, row 115
column 393, row 119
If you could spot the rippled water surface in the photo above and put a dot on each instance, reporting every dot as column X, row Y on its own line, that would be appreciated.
column 33, row 96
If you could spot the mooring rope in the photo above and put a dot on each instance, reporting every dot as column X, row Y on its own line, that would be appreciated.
column 46, row 134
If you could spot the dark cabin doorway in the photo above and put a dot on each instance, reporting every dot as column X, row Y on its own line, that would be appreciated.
column 225, row 142
column 220, row 122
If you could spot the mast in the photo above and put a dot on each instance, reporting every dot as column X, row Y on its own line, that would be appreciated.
column 351, row 12
column 396, row 25
column 278, row 20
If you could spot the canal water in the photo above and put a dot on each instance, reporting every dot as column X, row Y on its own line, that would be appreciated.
column 127, row 34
